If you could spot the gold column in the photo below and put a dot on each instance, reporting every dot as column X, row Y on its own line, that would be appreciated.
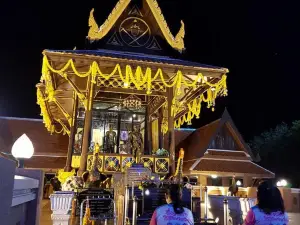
column 171, row 133
column 68, row 167
column 87, row 127
column 160, row 134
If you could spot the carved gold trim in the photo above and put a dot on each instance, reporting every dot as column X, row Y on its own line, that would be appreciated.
column 177, row 42
column 96, row 32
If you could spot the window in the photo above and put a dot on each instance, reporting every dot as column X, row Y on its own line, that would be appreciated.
column 113, row 125
column 216, row 181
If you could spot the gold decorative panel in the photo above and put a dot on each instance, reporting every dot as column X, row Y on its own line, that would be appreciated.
column 148, row 162
column 90, row 162
column 127, row 162
column 161, row 165
column 112, row 164
column 75, row 161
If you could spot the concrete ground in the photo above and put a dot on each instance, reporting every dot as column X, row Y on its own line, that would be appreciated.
column 45, row 213
column 294, row 218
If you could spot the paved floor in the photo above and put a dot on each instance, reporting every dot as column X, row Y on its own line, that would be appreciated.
column 45, row 213
column 294, row 218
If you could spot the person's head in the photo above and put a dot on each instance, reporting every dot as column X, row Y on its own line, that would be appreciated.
column 269, row 198
column 173, row 195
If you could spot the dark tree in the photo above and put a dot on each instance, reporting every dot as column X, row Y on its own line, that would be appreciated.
column 279, row 150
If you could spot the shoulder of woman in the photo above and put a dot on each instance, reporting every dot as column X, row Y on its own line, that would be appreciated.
column 254, row 208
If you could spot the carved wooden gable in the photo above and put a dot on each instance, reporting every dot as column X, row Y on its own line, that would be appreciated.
column 140, row 27
column 224, row 139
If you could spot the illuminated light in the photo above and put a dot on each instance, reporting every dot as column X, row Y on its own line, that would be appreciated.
column 214, row 176
column 130, row 118
column 97, row 107
column 239, row 183
column 126, row 84
column 22, row 148
column 217, row 220
column 134, row 115
column 147, row 192
column 213, row 89
column 283, row 183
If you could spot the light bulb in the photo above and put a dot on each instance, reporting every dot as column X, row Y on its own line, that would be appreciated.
column 22, row 148
column 134, row 115
column 238, row 183
column 214, row 176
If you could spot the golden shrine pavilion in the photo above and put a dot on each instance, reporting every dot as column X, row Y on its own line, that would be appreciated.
column 125, row 88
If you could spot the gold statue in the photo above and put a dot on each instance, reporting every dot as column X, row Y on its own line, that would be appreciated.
column 110, row 139
column 135, row 142
column 94, row 178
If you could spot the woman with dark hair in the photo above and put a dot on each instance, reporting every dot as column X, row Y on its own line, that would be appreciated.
column 173, row 212
column 270, row 207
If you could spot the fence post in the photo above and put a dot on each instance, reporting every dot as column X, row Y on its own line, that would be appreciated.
column 225, row 204
column 205, row 204
column 134, row 211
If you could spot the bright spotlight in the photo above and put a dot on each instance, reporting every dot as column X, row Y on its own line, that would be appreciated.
column 239, row 183
column 147, row 192
column 283, row 183
column 214, row 176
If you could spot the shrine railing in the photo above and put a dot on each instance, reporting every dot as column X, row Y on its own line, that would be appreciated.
column 110, row 163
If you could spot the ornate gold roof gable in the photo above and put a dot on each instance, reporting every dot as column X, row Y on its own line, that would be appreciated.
column 96, row 32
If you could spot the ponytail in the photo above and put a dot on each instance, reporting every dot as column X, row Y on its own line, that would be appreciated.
column 174, row 191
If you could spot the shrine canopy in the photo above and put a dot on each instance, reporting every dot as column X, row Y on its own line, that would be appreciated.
column 126, row 56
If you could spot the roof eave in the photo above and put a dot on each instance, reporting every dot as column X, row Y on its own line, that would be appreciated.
column 218, row 71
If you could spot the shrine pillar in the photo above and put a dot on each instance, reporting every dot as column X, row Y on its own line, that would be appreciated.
column 87, row 127
column 68, row 166
column 171, row 133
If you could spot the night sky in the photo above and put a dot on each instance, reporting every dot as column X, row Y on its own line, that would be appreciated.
column 258, row 41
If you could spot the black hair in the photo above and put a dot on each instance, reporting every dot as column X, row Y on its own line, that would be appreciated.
column 269, row 198
column 174, row 192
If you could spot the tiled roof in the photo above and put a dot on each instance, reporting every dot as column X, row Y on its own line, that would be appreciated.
column 215, row 152
column 232, row 167
column 43, row 142
column 136, row 56
column 182, row 134
column 196, row 144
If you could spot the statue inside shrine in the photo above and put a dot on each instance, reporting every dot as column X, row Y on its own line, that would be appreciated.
column 135, row 141
column 94, row 178
column 78, row 142
column 110, row 139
